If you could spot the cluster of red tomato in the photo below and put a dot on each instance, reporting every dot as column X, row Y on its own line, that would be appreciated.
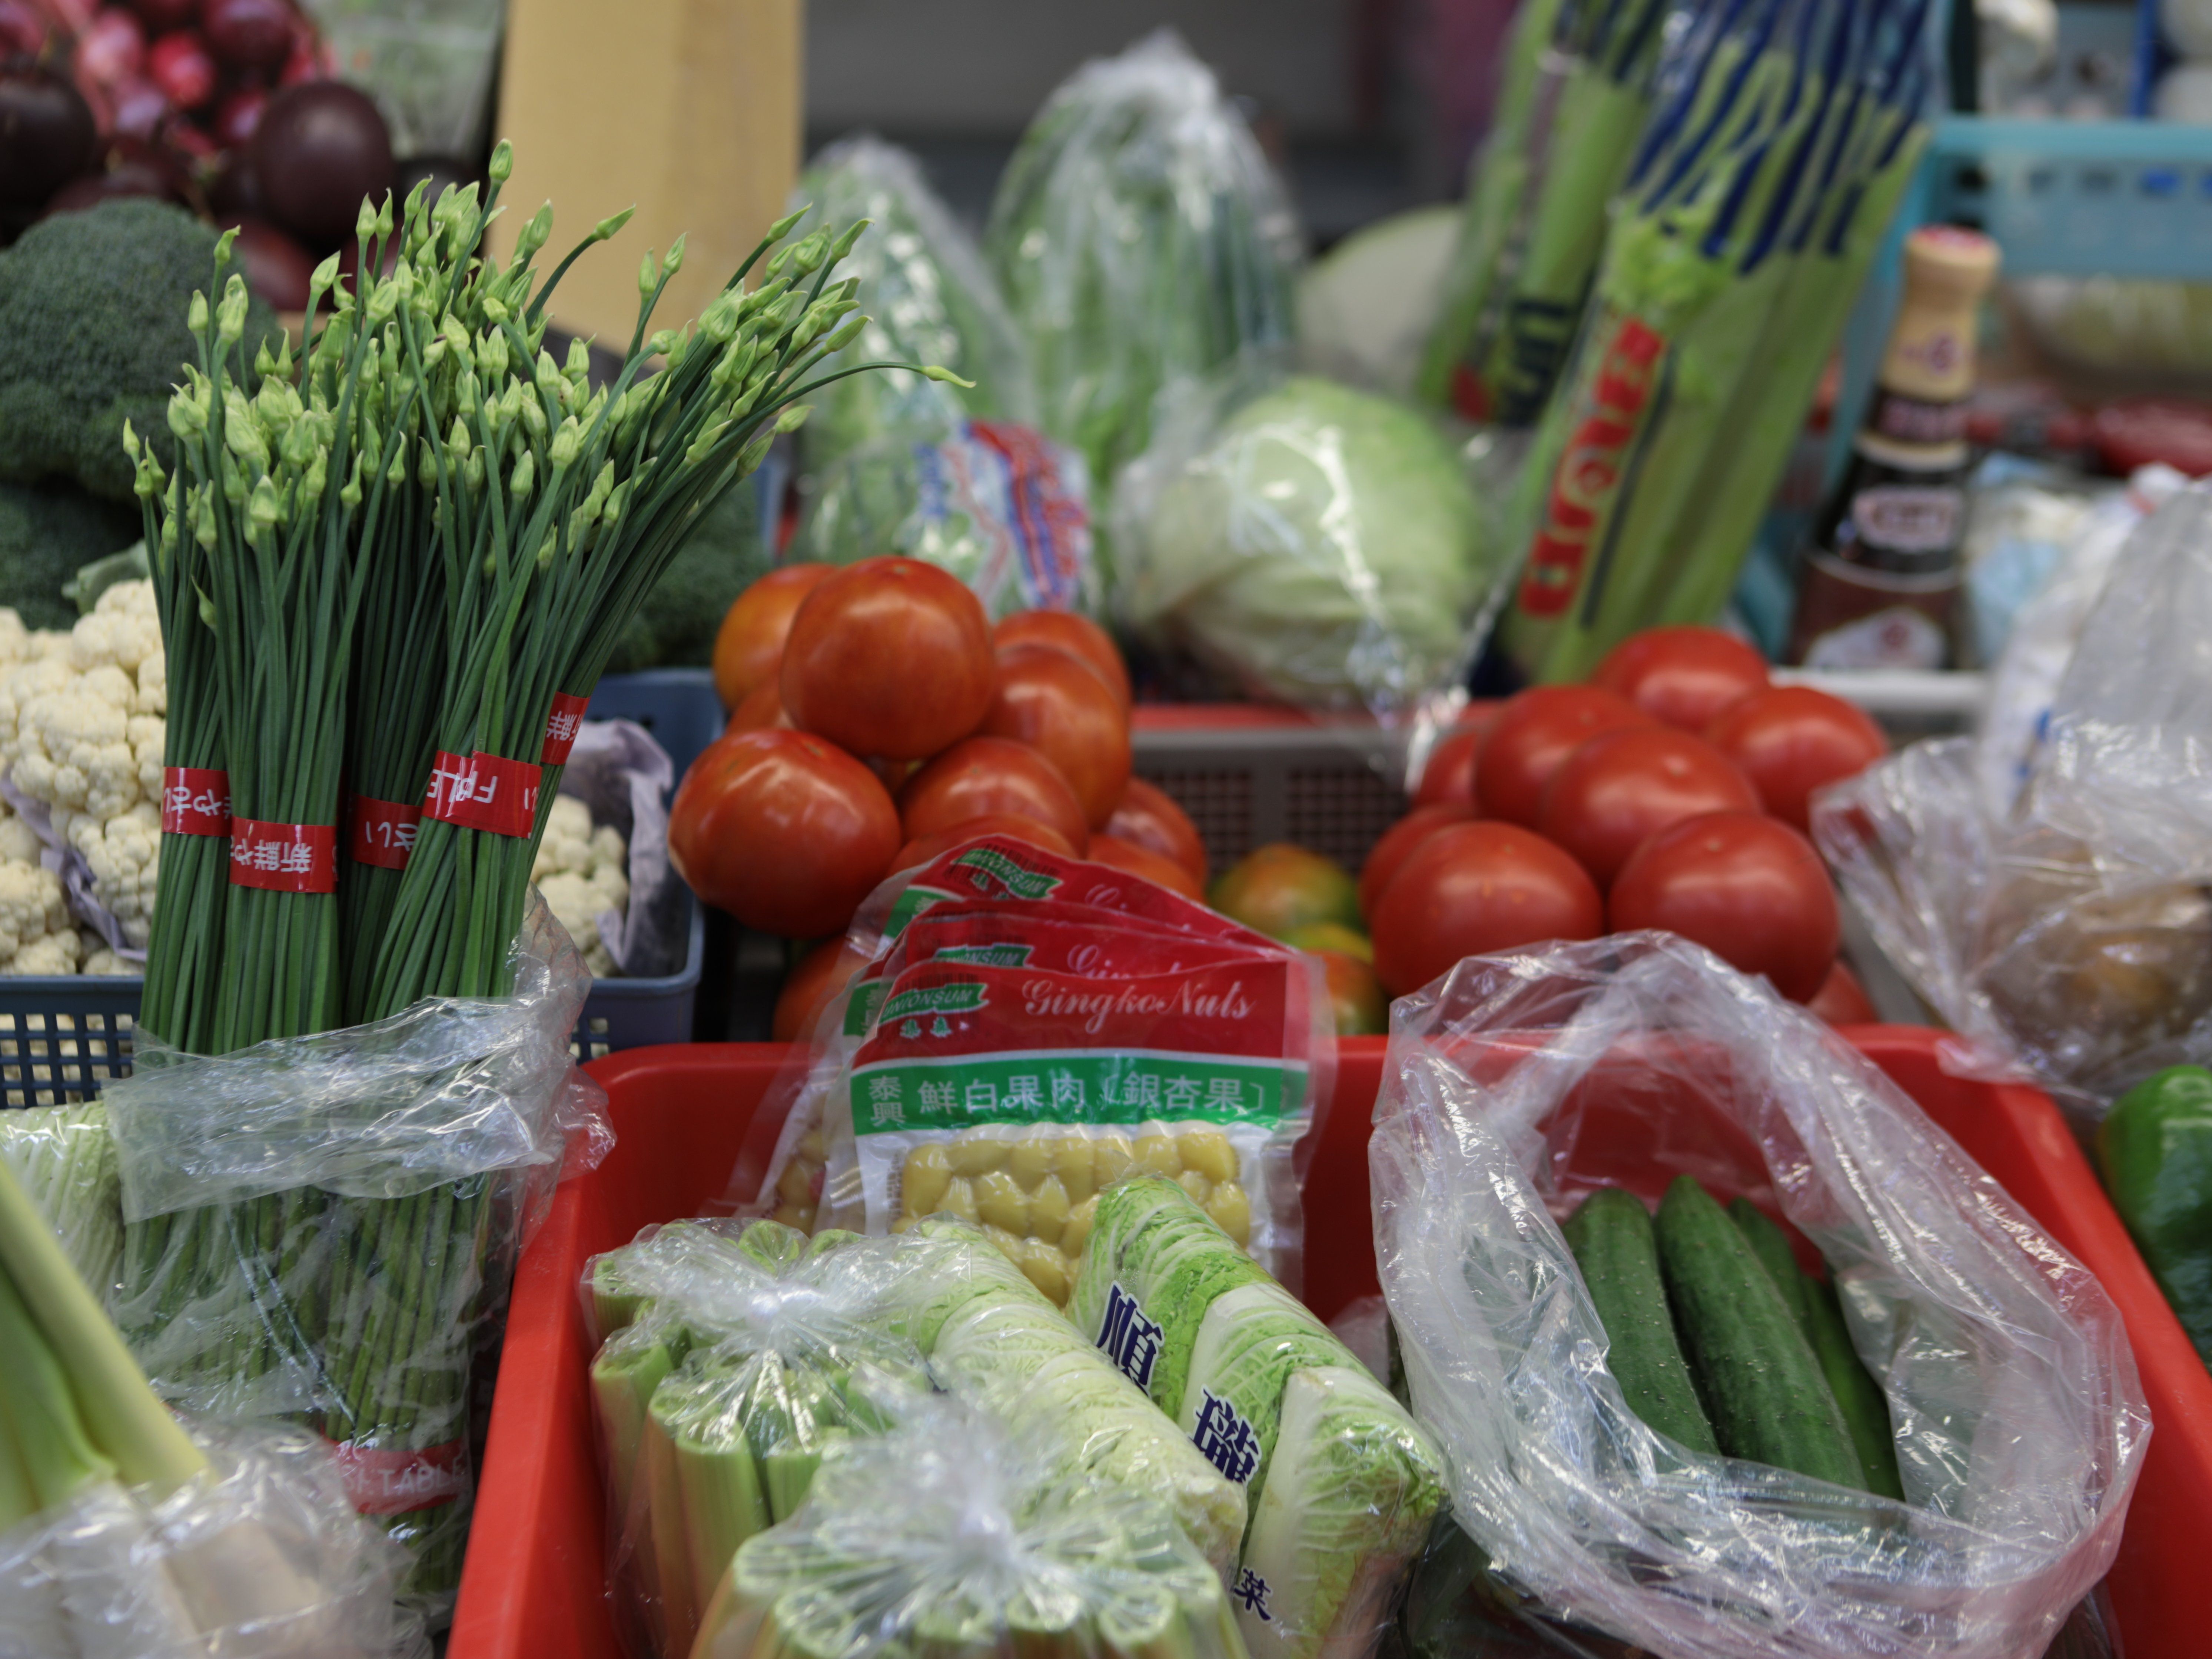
column 1671, row 793
column 879, row 719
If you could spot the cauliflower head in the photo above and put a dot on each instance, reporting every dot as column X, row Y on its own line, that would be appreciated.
column 583, row 873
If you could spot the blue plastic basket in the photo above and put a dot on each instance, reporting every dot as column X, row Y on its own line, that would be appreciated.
column 62, row 1037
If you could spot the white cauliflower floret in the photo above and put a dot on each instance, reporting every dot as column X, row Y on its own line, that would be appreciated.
column 566, row 843
column 123, row 630
column 99, row 959
column 124, row 854
column 32, row 906
column 582, row 872
column 73, row 747
column 22, row 686
column 154, row 684
column 56, row 953
column 15, row 638
column 19, row 842
column 577, row 902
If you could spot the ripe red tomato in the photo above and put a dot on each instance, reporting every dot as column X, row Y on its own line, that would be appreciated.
column 1355, row 996
column 1791, row 740
column 1681, row 677
column 1531, row 739
column 810, row 987
column 1397, row 845
column 1058, row 705
column 889, row 657
column 991, row 774
column 1449, row 774
column 1142, row 861
column 786, row 832
column 1149, row 817
column 1078, row 636
column 1841, row 999
column 1749, row 889
column 763, row 707
column 748, row 645
column 1623, row 786
column 1474, row 888
column 922, row 849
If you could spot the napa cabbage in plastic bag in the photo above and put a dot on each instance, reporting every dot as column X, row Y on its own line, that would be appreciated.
column 1321, row 545
column 930, row 299
column 1519, row 1082
column 2072, row 935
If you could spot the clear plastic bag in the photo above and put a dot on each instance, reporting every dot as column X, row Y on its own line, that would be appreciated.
column 1319, row 546
column 2073, row 936
column 66, row 1159
column 1139, row 237
column 932, row 300
column 959, row 1535
column 999, row 505
column 623, row 778
column 261, row 1557
column 1520, row 1081
column 325, row 1227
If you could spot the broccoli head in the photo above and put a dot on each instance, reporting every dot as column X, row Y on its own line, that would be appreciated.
column 47, row 535
column 725, row 554
column 92, row 332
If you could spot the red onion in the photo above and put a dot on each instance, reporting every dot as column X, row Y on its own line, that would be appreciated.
column 182, row 65
column 249, row 33
column 238, row 115
column 140, row 107
column 22, row 28
column 46, row 134
column 162, row 16
column 321, row 148
column 188, row 138
column 111, row 49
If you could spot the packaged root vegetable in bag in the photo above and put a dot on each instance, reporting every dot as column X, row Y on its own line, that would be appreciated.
column 1342, row 1484
column 1519, row 1084
column 2073, row 935
column 963, row 1536
column 739, row 1355
column 1013, row 882
column 324, row 1227
column 1319, row 545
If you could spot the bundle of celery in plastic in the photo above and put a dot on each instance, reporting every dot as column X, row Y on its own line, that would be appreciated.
column 1783, row 133
column 1578, row 90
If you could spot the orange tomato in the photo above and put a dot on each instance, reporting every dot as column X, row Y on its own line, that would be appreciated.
column 1066, row 631
column 1143, row 862
column 889, row 657
column 810, row 987
column 1057, row 704
column 991, row 774
column 922, row 849
column 1149, row 817
column 749, row 644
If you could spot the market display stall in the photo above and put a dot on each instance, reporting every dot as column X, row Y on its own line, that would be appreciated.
column 1314, row 850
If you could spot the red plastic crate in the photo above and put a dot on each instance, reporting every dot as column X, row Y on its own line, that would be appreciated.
column 533, row 1586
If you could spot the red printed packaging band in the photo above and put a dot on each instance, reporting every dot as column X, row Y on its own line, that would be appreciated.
column 562, row 724
column 284, row 858
column 195, row 801
column 484, row 791
column 387, row 1480
column 382, row 832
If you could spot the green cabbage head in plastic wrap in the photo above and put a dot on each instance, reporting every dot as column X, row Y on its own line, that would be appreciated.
column 1323, row 546
column 930, row 299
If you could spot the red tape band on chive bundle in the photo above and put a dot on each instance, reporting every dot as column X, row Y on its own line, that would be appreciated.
column 484, row 791
column 393, row 1481
column 561, row 726
column 284, row 858
column 195, row 801
column 382, row 832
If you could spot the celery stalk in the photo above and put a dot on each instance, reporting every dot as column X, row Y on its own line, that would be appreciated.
column 58, row 1459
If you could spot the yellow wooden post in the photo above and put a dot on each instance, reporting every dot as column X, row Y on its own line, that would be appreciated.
column 689, row 109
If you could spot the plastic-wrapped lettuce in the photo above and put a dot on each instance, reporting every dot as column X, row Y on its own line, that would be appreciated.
column 963, row 1537
column 1323, row 546
column 1342, row 1485
column 1139, row 236
column 999, row 505
column 66, row 1159
column 930, row 300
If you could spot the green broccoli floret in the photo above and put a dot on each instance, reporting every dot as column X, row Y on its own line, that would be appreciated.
column 92, row 332
column 45, row 536
column 725, row 552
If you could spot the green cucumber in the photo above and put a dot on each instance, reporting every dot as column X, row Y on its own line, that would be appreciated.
column 1611, row 1237
column 1865, row 1408
column 1820, row 1315
column 1762, row 1385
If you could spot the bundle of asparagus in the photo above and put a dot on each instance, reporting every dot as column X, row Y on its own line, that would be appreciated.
column 1784, row 134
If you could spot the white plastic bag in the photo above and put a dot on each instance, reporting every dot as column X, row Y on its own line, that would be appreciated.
column 1520, row 1081
column 2072, row 937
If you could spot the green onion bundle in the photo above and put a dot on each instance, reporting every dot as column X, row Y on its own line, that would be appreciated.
column 429, row 517
column 1578, row 90
column 1783, row 136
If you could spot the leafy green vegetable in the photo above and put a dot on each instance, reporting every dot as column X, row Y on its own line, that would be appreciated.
column 1139, row 237
column 66, row 1161
column 726, row 553
column 47, row 534
column 932, row 300
column 1323, row 545
column 1250, row 1343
